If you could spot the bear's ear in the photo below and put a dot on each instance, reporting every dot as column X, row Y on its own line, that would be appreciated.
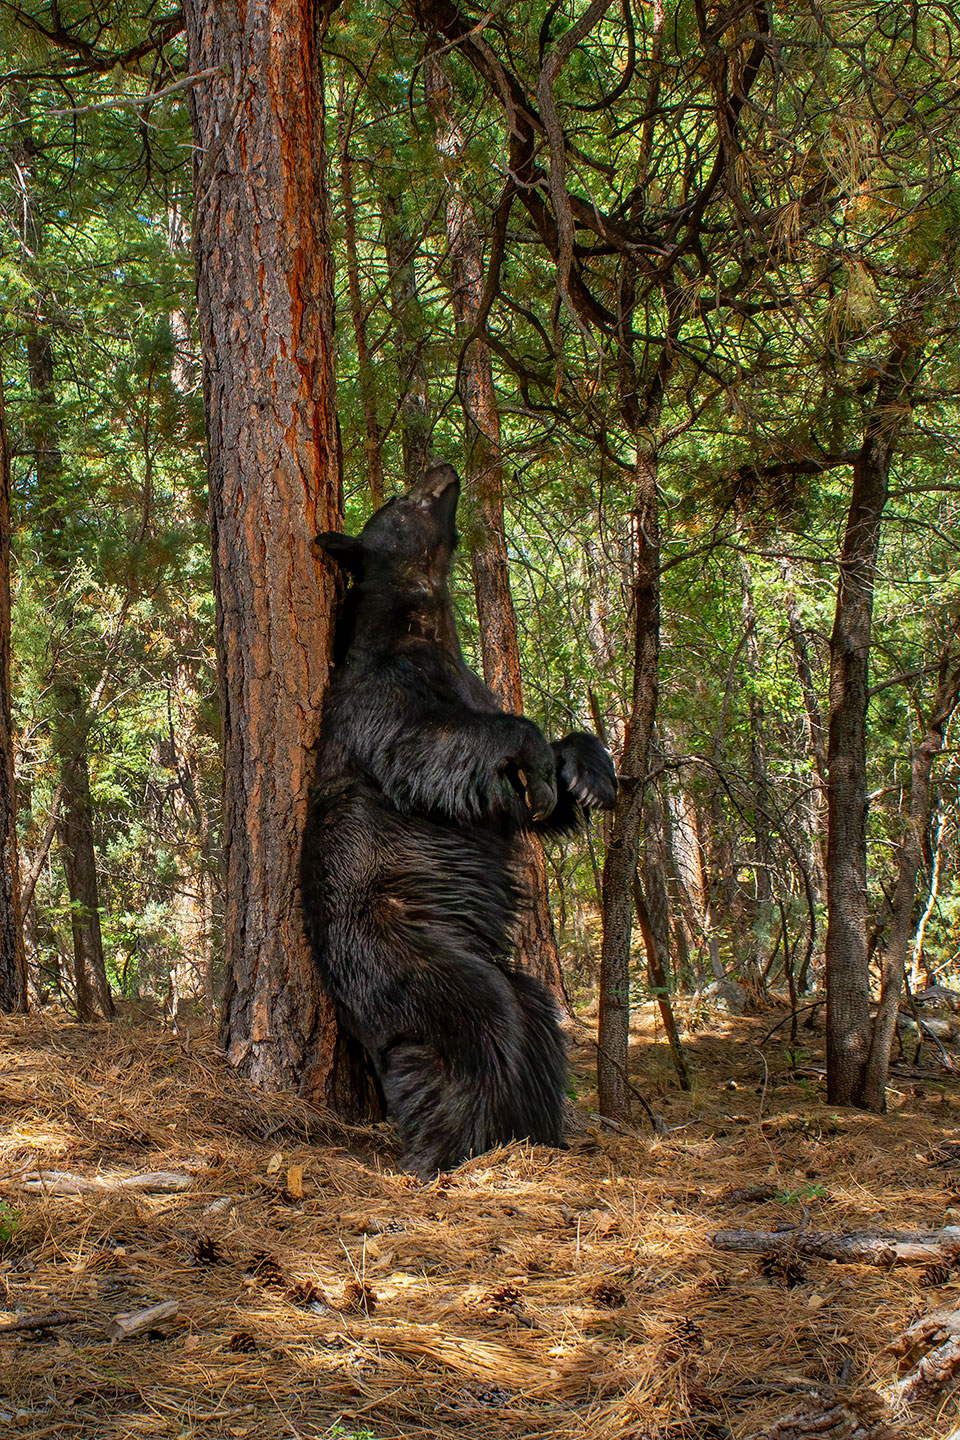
column 346, row 550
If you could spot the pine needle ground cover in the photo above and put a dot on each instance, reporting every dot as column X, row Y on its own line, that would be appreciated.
column 309, row 1289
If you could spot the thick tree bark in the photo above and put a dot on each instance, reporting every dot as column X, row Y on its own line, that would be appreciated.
column 847, row 942
column 893, row 965
column 13, row 964
column 499, row 650
column 265, row 292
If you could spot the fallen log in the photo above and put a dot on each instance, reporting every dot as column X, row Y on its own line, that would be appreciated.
column 935, row 1325
column 939, row 1329
column 829, row 1413
column 859, row 1247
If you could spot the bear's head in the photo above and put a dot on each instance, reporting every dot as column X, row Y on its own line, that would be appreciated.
column 409, row 541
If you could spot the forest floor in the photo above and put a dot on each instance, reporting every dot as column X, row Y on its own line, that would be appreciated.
column 568, row 1295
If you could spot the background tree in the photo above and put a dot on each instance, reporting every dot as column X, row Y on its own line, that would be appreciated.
column 13, row 966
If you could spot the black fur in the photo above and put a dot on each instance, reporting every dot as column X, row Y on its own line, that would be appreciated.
column 410, row 890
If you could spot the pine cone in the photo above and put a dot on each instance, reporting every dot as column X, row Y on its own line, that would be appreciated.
column 358, row 1296
column 502, row 1297
column 609, row 1296
column 934, row 1275
column 266, row 1269
column 206, row 1251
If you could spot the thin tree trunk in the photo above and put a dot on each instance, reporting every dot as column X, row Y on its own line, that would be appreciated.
column 683, row 924
column 621, row 858
column 847, row 942
column 71, row 720
column 373, row 439
column 70, row 725
column 710, row 921
column 758, row 760
column 265, row 294
column 500, row 653
column 893, row 965
column 13, row 963
column 932, row 893
column 655, row 874
column 79, row 857
column 816, row 732
column 658, row 979
column 408, row 337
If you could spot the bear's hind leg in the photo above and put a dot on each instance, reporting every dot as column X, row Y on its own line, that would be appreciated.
column 536, row 1100
column 442, row 1114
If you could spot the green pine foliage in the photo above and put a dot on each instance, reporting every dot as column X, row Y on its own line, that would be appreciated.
column 829, row 236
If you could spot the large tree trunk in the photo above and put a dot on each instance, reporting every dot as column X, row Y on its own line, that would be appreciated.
column 13, row 965
column 500, row 653
column 265, row 292
column 847, row 942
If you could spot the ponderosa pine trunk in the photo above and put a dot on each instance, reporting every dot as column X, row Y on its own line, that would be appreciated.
column 265, row 293
column 13, row 964
column 847, row 941
column 499, row 650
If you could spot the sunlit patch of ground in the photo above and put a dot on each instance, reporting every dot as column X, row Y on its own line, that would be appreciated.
column 532, row 1293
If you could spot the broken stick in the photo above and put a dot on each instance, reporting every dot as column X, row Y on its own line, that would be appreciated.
column 45, row 1321
column 122, row 1327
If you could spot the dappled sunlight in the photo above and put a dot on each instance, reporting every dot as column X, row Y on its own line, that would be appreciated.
column 536, row 1292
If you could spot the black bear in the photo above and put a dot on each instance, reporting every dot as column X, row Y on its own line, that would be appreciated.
column 409, row 876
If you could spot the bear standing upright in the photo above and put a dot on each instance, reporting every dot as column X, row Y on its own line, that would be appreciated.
column 409, row 870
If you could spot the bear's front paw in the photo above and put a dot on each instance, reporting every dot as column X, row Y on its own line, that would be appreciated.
column 586, row 769
column 537, row 771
